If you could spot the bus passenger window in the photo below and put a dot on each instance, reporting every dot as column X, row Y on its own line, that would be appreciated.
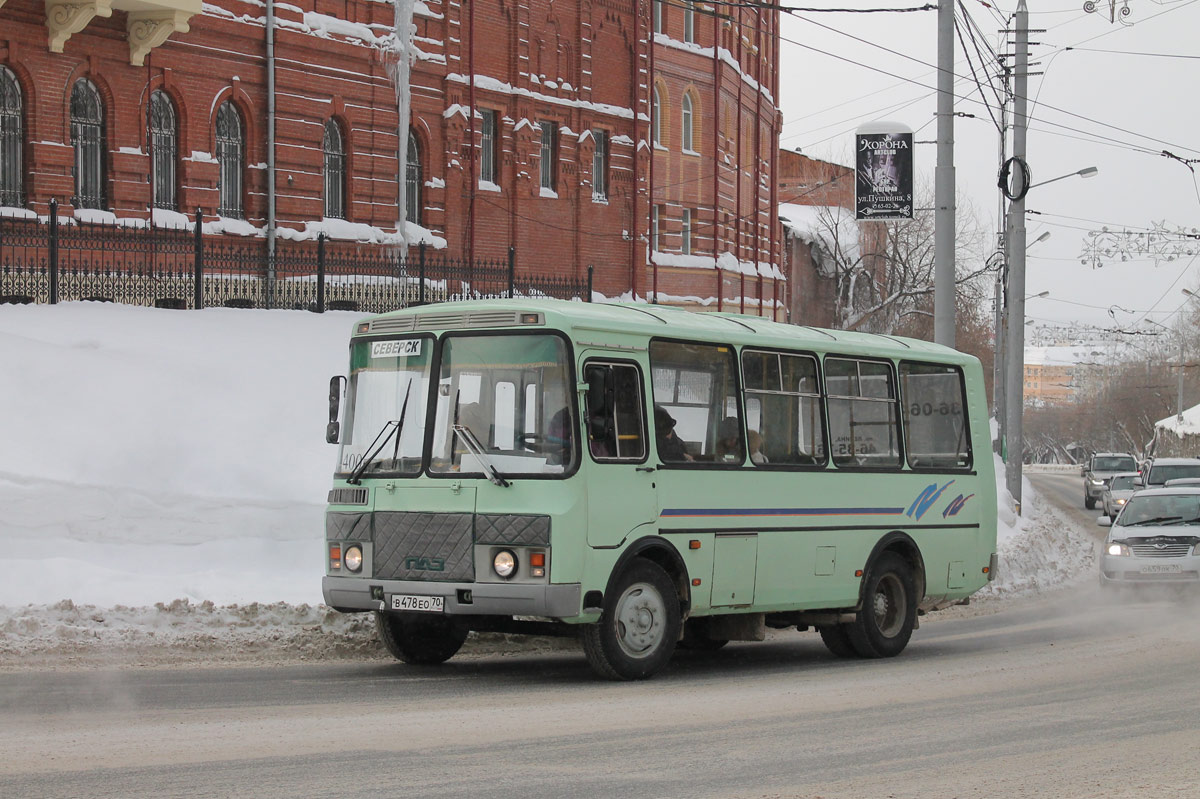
column 935, row 422
column 616, row 427
column 783, row 409
column 863, row 419
column 696, row 405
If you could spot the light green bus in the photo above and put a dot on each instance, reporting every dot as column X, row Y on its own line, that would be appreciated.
column 643, row 478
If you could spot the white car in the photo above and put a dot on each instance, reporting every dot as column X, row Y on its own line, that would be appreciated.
column 1155, row 540
column 1117, row 491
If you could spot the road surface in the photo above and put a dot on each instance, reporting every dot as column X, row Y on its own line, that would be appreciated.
column 1068, row 695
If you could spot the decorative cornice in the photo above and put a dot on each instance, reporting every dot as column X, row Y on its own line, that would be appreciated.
column 149, row 29
column 64, row 19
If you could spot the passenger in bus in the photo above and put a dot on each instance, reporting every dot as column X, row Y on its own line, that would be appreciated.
column 755, row 442
column 670, row 446
column 729, row 439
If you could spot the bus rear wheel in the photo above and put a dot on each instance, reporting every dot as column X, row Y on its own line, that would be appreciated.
column 418, row 639
column 889, row 609
column 640, row 625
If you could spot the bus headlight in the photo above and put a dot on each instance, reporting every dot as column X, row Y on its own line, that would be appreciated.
column 505, row 563
column 353, row 558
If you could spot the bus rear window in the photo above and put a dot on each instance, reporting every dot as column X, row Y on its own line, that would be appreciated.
column 935, row 425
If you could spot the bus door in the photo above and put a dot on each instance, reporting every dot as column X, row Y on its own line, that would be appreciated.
column 620, row 484
column 703, row 487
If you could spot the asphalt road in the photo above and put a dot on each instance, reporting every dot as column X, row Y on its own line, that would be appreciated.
column 1069, row 695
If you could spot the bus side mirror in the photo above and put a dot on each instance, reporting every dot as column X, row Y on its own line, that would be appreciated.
column 333, row 430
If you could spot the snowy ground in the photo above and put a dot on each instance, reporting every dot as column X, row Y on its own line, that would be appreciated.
column 162, row 481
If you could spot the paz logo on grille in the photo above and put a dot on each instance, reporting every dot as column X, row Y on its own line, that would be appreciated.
column 423, row 563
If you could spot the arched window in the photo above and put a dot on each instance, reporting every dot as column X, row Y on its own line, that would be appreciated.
column 335, row 171
column 163, row 149
column 87, row 139
column 686, row 126
column 656, row 119
column 230, row 156
column 412, row 180
column 11, row 137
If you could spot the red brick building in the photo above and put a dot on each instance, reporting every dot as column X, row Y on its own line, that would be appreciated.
column 636, row 137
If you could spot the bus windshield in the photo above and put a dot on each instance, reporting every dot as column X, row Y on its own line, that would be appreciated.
column 388, row 379
column 511, row 394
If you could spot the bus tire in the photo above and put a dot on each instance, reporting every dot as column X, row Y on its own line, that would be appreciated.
column 420, row 640
column 889, row 609
column 836, row 640
column 640, row 625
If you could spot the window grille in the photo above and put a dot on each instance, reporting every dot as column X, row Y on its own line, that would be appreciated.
column 87, row 139
column 230, row 149
column 548, row 155
column 487, row 155
column 335, row 171
column 11, row 137
column 163, row 150
column 600, row 165
column 412, row 181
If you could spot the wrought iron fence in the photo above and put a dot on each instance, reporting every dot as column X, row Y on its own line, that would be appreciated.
column 48, row 260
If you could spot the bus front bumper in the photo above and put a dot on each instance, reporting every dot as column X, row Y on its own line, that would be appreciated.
column 461, row 599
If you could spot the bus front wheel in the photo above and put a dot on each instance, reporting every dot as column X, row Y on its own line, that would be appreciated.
column 418, row 639
column 889, row 609
column 639, row 627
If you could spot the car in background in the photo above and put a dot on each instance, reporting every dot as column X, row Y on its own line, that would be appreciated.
column 1161, row 470
column 1100, row 468
column 1155, row 541
column 1118, row 490
column 1182, row 481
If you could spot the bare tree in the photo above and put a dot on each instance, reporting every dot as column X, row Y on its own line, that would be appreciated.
column 884, row 270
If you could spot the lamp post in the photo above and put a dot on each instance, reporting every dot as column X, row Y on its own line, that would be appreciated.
column 1015, row 325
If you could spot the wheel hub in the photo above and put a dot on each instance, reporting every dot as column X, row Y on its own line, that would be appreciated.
column 640, row 620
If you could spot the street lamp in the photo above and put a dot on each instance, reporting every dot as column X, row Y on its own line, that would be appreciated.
column 1015, row 365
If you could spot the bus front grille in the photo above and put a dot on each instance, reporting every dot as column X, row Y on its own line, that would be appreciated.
column 423, row 546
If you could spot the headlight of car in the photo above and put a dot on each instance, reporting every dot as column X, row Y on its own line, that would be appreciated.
column 353, row 558
column 1196, row 550
column 1120, row 502
column 1096, row 482
column 1116, row 548
column 505, row 563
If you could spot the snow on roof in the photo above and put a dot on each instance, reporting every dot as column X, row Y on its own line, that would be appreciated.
column 1190, row 426
column 832, row 227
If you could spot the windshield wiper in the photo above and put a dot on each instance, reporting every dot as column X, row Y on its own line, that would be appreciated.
column 390, row 428
column 1155, row 520
column 476, row 449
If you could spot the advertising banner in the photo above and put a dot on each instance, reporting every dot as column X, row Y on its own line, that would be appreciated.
column 884, row 173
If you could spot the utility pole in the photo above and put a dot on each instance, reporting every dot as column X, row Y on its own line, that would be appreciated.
column 1015, row 244
column 943, row 220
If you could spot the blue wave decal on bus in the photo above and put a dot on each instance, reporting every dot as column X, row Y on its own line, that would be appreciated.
column 956, row 505
column 926, row 499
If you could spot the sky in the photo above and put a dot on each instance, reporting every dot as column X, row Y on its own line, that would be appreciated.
column 1116, row 110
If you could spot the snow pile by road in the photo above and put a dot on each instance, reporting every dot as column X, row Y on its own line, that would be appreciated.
column 162, row 478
